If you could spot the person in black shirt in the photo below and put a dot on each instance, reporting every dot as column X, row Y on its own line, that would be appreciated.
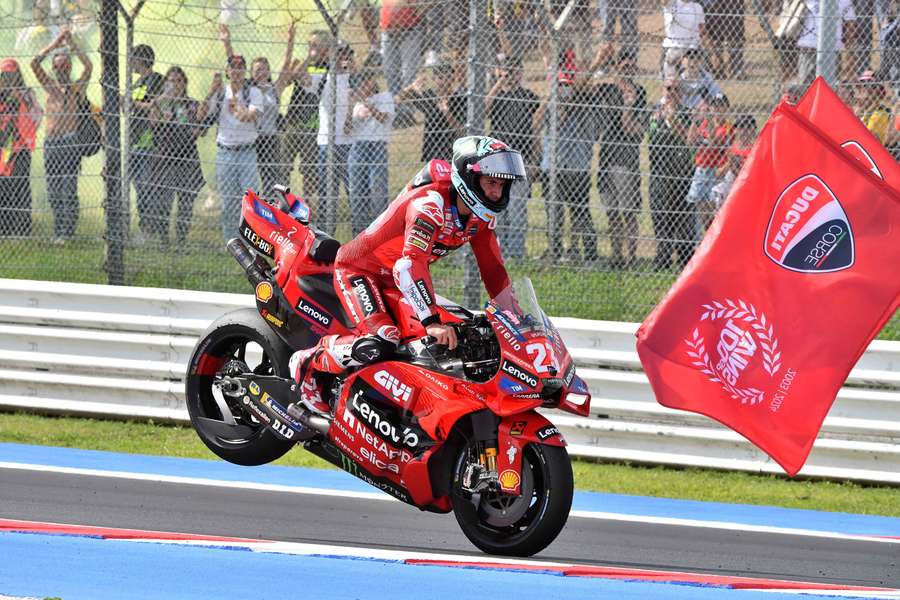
column 148, row 86
column 444, row 115
column 619, row 176
column 511, row 108
column 177, row 163
column 671, row 170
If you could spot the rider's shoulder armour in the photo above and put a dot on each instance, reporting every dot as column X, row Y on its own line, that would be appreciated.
column 434, row 171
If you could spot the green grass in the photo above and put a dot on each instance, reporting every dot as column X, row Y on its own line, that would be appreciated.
column 691, row 484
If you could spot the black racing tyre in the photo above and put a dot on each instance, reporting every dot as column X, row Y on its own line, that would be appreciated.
column 240, row 338
column 524, row 525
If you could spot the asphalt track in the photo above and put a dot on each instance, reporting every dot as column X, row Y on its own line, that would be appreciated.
column 111, row 501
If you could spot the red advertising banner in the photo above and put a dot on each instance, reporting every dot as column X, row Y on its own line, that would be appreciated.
column 794, row 278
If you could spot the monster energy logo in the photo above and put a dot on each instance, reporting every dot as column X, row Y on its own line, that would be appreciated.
column 347, row 464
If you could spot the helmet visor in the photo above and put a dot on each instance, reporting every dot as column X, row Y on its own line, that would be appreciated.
column 505, row 165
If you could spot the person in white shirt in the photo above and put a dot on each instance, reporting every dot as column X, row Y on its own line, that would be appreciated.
column 807, row 41
column 268, row 144
column 370, row 127
column 684, row 28
column 236, row 108
column 335, row 99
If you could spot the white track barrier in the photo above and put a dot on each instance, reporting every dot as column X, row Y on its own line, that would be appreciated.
column 121, row 352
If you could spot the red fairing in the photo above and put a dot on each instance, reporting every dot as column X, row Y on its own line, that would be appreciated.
column 419, row 227
column 367, row 425
column 516, row 432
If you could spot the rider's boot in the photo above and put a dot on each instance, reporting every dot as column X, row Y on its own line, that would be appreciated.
column 306, row 365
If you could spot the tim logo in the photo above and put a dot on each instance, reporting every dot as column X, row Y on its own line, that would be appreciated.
column 809, row 231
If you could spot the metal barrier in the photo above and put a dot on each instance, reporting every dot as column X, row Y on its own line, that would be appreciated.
column 121, row 352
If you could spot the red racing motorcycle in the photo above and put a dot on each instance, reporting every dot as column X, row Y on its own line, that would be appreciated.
column 441, row 430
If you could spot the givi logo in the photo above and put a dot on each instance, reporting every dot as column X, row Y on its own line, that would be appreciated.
column 809, row 230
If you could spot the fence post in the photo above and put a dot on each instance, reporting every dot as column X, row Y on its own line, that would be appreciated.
column 475, row 83
column 109, row 82
column 826, row 54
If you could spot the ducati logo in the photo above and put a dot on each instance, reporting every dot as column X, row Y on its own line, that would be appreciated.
column 745, row 352
column 809, row 230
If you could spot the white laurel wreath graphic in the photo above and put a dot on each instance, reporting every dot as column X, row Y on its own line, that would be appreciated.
column 765, row 333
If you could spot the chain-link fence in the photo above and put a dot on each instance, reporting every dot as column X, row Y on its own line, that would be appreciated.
column 632, row 117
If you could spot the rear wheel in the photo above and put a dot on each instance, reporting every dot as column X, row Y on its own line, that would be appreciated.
column 517, row 525
column 237, row 342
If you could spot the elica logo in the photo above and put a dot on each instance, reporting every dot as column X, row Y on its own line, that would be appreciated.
column 378, row 422
column 520, row 374
column 809, row 230
column 400, row 391
column 364, row 295
column 314, row 312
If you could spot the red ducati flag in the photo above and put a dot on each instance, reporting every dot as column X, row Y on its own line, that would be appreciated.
column 796, row 275
column 824, row 109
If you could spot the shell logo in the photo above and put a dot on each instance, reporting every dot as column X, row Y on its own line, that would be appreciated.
column 264, row 291
column 509, row 480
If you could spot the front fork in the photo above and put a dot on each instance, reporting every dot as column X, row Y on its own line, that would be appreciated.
column 500, row 442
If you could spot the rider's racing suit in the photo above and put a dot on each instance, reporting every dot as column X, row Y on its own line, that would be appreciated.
column 420, row 226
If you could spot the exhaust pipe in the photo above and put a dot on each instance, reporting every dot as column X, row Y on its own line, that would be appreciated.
column 307, row 418
column 254, row 265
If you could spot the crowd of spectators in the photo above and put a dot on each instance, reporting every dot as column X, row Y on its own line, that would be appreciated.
column 606, row 101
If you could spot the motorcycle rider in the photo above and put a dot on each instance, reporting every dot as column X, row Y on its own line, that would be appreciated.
column 443, row 207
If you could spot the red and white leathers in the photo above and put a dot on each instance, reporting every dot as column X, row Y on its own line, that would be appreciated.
column 420, row 226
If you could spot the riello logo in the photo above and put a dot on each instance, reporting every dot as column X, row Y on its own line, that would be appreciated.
column 809, row 230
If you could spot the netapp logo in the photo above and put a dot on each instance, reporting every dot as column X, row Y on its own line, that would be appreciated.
column 519, row 373
column 809, row 230
column 314, row 312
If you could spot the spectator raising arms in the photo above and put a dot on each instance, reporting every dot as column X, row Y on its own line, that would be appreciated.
column 235, row 107
column 334, row 104
column 370, row 128
column 20, row 115
column 301, row 119
column 268, row 145
column 143, row 146
column 62, row 155
column 176, row 129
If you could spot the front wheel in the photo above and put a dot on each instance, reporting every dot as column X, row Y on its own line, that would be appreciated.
column 521, row 525
column 237, row 342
